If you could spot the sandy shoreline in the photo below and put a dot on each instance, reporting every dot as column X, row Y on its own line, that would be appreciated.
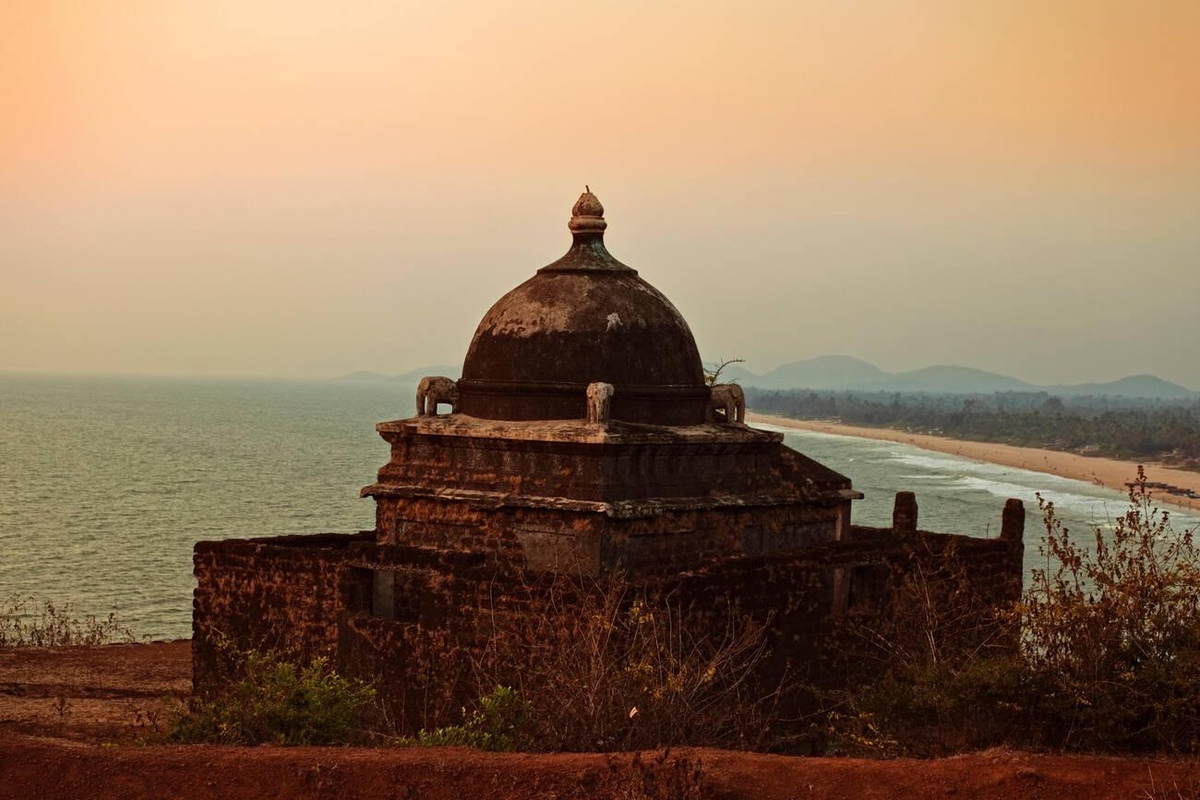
column 1103, row 471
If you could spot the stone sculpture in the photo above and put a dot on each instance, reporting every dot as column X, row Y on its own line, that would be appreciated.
column 433, row 390
column 729, row 399
column 599, row 403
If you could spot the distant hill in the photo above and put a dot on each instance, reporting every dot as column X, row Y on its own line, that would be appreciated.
column 1133, row 386
column 954, row 380
column 732, row 373
column 412, row 376
column 824, row 372
column 845, row 373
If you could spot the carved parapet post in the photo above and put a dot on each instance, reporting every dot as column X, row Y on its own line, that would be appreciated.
column 730, row 400
column 433, row 390
column 904, row 513
column 1012, row 531
column 1012, row 523
column 599, row 403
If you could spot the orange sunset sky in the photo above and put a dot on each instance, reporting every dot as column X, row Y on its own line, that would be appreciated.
column 304, row 189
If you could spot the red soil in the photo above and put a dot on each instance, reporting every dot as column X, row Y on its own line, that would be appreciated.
column 69, row 719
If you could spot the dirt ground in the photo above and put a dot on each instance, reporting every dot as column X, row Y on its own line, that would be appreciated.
column 70, row 720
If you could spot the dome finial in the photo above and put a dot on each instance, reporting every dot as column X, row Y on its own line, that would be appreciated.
column 587, row 216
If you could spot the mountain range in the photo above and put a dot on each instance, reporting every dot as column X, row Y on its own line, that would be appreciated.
column 844, row 373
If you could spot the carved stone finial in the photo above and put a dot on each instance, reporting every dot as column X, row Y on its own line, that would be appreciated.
column 587, row 215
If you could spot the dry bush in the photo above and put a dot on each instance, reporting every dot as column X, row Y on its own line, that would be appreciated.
column 26, row 623
column 1111, row 632
column 604, row 666
column 927, row 672
column 1102, row 653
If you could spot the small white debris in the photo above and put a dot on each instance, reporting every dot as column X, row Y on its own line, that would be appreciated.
column 614, row 321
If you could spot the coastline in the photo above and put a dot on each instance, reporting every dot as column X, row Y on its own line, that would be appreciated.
column 1108, row 472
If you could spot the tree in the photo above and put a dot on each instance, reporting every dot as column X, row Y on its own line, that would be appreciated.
column 714, row 377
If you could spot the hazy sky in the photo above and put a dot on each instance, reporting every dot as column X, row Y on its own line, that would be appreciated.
column 296, row 188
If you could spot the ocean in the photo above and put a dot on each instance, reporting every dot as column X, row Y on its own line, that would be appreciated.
column 106, row 482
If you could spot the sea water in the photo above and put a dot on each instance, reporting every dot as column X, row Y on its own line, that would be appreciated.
column 107, row 482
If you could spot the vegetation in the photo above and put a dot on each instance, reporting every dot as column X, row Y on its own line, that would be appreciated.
column 608, row 668
column 500, row 717
column 604, row 668
column 600, row 666
column 713, row 377
column 277, row 702
column 1111, row 633
column 1120, row 428
column 1101, row 654
column 24, row 622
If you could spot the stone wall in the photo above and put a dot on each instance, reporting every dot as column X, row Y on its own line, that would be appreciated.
column 284, row 594
column 598, row 499
column 588, row 463
column 595, row 544
column 426, row 624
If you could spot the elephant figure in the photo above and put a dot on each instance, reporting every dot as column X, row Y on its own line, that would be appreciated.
column 433, row 390
column 599, row 403
column 729, row 399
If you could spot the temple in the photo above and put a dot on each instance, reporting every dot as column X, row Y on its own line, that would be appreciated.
column 583, row 440
column 583, row 437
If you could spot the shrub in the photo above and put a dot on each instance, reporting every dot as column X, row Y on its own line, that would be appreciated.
column 26, row 623
column 603, row 666
column 501, row 715
column 1101, row 653
column 599, row 665
column 277, row 702
column 932, row 671
column 1111, row 632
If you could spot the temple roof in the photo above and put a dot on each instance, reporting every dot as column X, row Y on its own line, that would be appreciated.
column 584, row 318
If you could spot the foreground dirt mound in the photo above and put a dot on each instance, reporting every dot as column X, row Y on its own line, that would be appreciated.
column 112, row 693
column 56, row 769
column 69, row 717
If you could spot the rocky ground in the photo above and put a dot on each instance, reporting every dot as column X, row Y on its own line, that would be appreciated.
column 71, row 720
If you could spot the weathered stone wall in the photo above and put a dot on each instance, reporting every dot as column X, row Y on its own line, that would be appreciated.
column 450, row 627
column 584, row 463
column 424, row 650
column 601, row 499
column 424, row 623
column 594, row 544
column 284, row 594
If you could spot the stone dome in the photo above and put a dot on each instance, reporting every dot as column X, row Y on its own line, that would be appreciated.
column 585, row 318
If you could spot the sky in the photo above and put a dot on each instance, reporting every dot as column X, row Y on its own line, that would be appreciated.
column 262, row 188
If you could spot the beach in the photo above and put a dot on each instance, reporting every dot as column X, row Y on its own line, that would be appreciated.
column 1109, row 472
